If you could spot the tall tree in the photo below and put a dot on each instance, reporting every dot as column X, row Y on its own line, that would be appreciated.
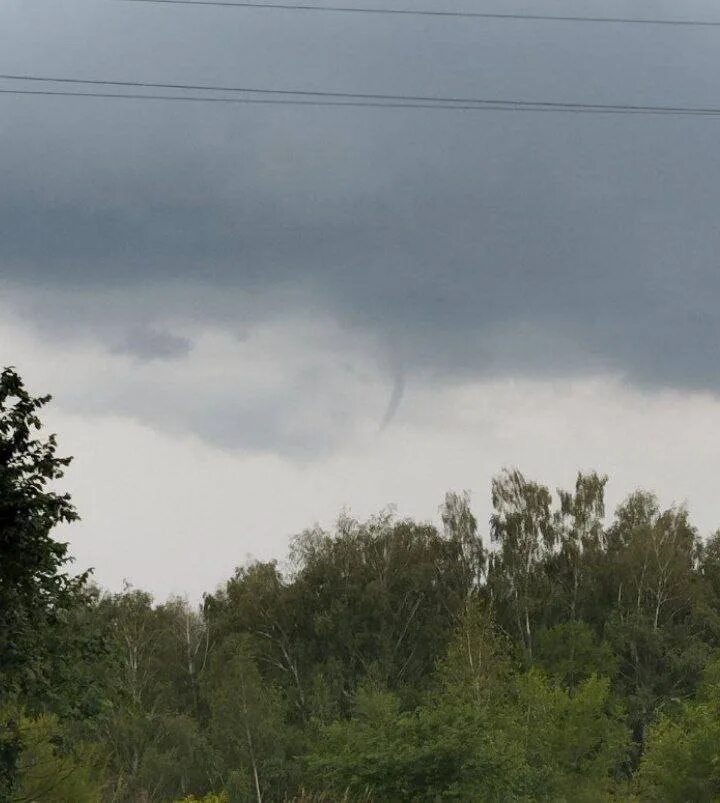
column 246, row 723
column 522, row 527
column 460, row 527
column 36, row 590
column 579, row 529
column 650, row 610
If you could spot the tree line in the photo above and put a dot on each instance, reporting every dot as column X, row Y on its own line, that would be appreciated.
column 563, row 655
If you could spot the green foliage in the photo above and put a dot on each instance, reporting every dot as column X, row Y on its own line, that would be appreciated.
column 155, row 745
column 683, row 757
column 375, row 600
column 521, row 526
column 527, row 740
column 34, row 589
column 246, row 724
column 573, row 741
column 47, row 771
column 38, row 598
column 10, row 749
column 488, row 732
column 571, row 653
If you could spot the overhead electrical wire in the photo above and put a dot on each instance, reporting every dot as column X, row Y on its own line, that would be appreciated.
column 291, row 101
column 326, row 97
column 503, row 106
column 409, row 12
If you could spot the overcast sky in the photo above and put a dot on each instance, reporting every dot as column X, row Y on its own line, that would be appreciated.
column 252, row 316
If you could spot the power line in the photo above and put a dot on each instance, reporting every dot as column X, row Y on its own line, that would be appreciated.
column 407, row 12
column 367, row 98
column 262, row 101
column 509, row 106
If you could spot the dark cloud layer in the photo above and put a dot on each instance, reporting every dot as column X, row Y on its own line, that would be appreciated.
column 470, row 243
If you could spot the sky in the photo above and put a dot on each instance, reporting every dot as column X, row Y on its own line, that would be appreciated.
column 252, row 317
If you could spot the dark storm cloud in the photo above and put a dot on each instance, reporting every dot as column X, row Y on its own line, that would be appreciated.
column 471, row 243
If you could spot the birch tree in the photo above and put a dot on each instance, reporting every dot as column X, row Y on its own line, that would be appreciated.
column 521, row 527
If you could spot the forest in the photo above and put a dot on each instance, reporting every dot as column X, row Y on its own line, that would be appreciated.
column 554, row 653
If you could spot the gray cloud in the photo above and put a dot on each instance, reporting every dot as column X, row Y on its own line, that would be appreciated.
column 467, row 244
column 151, row 344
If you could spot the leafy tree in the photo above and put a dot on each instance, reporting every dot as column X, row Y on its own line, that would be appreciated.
column 533, row 742
column 375, row 600
column 488, row 733
column 461, row 528
column 47, row 771
column 571, row 653
column 522, row 528
column 247, row 724
column 151, row 727
column 682, row 761
column 579, row 530
column 649, row 612
column 381, row 598
column 573, row 742
column 36, row 592
column 260, row 604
